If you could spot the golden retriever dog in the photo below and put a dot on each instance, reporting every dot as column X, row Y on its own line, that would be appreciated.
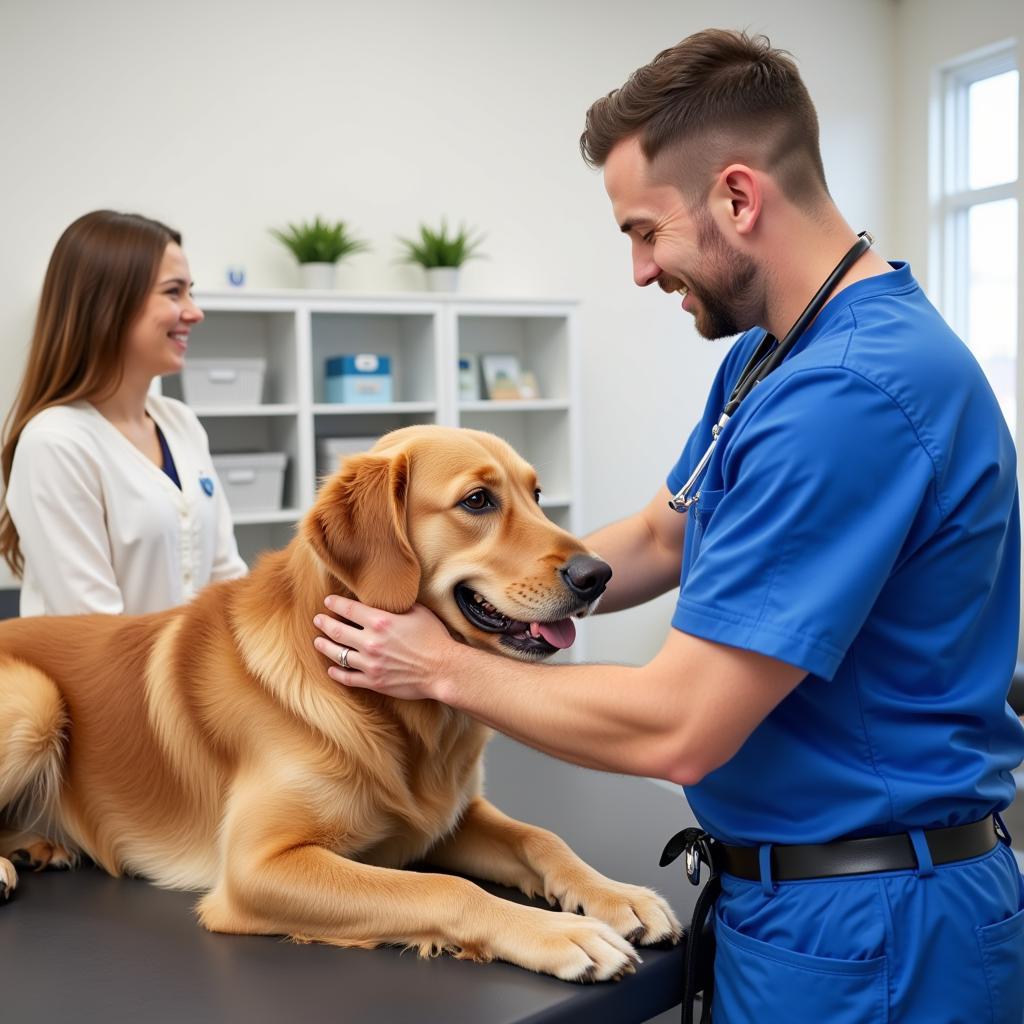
column 205, row 747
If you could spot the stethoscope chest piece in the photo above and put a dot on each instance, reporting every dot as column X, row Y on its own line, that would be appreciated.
column 682, row 501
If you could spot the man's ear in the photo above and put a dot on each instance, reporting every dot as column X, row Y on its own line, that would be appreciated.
column 737, row 196
column 357, row 527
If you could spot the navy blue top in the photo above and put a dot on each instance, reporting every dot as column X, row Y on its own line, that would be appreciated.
column 859, row 520
column 167, row 459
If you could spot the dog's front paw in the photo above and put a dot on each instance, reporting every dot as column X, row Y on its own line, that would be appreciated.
column 8, row 879
column 640, row 915
column 570, row 947
column 41, row 855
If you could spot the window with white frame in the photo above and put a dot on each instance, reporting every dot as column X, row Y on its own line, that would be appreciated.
column 977, row 215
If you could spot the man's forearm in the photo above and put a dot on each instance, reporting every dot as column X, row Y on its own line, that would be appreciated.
column 598, row 716
column 680, row 716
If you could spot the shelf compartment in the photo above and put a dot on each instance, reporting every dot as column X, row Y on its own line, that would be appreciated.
column 246, row 433
column 541, row 344
column 235, row 334
column 408, row 339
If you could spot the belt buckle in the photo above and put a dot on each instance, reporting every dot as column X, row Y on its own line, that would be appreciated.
column 695, row 843
column 693, row 855
column 1002, row 833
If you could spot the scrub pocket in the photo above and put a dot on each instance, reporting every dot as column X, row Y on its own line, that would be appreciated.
column 703, row 511
column 756, row 981
column 1002, row 953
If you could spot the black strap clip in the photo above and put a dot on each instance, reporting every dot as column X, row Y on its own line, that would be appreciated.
column 698, row 967
column 1002, row 832
column 696, row 844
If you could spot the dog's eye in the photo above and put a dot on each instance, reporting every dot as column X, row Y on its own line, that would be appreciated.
column 477, row 501
column 536, row 494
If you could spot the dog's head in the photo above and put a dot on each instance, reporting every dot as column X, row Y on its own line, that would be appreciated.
column 451, row 518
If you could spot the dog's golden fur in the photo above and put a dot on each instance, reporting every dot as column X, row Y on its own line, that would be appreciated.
column 206, row 748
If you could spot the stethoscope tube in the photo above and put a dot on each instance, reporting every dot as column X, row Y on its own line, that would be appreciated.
column 767, row 358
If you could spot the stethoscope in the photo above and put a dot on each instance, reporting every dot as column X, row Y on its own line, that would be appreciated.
column 766, row 358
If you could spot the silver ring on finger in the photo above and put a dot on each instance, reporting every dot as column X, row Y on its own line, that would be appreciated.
column 343, row 657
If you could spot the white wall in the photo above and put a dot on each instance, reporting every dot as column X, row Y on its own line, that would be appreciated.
column 226, row 118
column 929, row 34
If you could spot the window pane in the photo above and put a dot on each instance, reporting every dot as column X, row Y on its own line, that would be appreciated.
column 992, row 129
column 992, row 297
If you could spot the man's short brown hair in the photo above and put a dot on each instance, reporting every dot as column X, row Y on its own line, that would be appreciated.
column 715, row 97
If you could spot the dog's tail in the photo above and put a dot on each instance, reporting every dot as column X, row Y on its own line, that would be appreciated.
column 33, row 736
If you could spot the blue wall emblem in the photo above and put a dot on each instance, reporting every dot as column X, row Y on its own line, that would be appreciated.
column 207, row 485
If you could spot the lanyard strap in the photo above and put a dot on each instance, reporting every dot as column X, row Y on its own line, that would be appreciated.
column 753, row 372
column 766, row 358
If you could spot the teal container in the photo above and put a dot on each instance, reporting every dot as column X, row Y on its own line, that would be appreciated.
column 363, row 379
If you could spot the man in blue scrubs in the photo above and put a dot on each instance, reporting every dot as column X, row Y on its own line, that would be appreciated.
column 833, row 690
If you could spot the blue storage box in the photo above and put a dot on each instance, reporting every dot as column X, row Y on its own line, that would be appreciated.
column 363, row 379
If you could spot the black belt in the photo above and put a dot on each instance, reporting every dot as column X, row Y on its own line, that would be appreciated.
column 795, row 863
column 858, row 856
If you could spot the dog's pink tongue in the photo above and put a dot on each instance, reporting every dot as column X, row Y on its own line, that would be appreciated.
column 558, row 634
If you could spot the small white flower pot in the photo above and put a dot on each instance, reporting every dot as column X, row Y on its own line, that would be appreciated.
column 443, row 279
column 317, row 275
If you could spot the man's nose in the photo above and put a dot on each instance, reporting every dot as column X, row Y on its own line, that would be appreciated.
column 645, row 270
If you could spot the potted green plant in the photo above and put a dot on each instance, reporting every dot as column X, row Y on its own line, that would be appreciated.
column 319, row 246
column 441, row 255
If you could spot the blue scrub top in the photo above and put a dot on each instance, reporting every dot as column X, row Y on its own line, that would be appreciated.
column 859, row 520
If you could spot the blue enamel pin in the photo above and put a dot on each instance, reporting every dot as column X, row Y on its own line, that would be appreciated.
column 207, row 485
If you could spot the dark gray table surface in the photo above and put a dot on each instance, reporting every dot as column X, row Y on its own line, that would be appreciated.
column 86, row 947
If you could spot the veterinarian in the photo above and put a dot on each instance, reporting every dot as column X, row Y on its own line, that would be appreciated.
column 832, row 693
column 112, row 504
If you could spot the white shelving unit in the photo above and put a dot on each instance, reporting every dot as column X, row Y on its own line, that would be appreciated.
column 297, row 331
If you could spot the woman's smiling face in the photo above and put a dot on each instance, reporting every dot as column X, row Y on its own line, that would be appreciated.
column 158, row 340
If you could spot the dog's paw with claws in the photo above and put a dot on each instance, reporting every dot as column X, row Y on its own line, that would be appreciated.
column 573, row 948
column 8, row 879
column 638, row 914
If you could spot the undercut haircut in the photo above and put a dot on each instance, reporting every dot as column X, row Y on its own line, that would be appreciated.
column 719, row 96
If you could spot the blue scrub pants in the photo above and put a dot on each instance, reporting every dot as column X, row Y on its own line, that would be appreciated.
column 935, row 945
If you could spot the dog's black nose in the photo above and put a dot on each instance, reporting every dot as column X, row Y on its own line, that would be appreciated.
column 586, row 577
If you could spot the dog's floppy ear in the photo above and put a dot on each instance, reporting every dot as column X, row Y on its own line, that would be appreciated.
column 357, row 527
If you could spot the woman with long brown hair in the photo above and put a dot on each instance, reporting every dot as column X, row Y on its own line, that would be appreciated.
column 112, row 504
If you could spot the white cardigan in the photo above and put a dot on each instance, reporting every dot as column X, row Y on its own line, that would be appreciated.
column 104, row 529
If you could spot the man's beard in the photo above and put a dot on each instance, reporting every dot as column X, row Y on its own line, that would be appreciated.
column 732, row 299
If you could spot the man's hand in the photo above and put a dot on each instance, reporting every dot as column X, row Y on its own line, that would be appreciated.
column 400, row 656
